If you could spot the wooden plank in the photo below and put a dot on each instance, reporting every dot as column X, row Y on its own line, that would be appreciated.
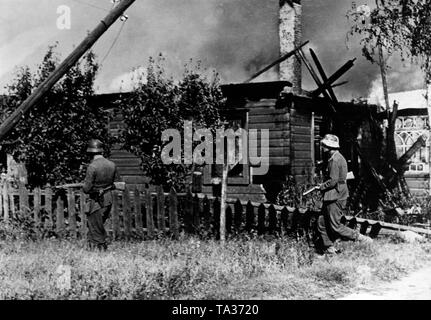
column 272, row 215
column 266, row 103
column 238, row 215
column 138, row 213
column 272, row 142
column 161, row 222
column 261, row 219
column 59, row 226
column 284, row 216
column 279, row 161
column 126, row 213
column 196, row 212
column 115, row 215
column 229, row 219
column 249, row 216
column 149, row 213
column 127, row 162
column 207, row 213
column 303, row 155
column 173, row 214
column 83, row 214
column 188, row 212
column 268, row 118
column 393, row 226
column 300, row 130
column 49, row 222
column 36, row 204
column 23, row 200
column 71, row 210
column 132, row 171
column 375, row 229
column 1, row 201
column 364, row 227
column 5, row 201
column 267, row 110
column 270, row 126
column 216, row 217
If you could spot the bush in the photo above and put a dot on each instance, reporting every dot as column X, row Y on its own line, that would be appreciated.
column 52, row 136
column 158, row 103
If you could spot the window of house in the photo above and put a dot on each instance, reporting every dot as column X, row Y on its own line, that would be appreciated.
column 240, row 173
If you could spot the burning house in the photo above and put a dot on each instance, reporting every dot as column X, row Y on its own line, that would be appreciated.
column 296, row 121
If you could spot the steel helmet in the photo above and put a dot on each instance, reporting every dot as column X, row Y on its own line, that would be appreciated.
column 95, row 146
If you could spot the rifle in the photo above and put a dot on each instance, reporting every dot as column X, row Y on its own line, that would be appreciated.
column 116, row 186
column 311, row 190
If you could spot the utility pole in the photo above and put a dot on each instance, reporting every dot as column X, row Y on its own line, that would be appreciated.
column 64, row 67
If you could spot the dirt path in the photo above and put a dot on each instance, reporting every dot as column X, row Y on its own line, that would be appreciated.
column 416, row 286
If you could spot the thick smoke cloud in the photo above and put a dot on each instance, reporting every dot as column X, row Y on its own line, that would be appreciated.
column 234, row 37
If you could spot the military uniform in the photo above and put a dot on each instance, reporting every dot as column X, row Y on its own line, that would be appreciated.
column 335, row 194
column 101, row 175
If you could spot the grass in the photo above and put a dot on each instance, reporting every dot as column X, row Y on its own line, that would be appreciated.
column 195, row 269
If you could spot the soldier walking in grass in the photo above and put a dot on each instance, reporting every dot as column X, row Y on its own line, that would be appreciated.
column 99, row 184
column 335, row 194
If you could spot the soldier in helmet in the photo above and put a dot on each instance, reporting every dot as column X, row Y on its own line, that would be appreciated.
column 335, row 194
column 99, row 183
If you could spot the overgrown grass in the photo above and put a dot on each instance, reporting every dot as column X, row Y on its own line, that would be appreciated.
column 195, row 269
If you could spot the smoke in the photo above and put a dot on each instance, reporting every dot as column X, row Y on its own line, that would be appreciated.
column 401, row 76
column 234, row 37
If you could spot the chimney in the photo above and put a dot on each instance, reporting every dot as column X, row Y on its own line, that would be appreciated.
column 290, row 32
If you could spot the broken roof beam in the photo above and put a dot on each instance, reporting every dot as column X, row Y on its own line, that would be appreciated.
column 316, row 79
column 276, row 62
column 327, row 84
column 323, row 75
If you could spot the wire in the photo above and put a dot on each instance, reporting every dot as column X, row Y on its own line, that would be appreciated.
column 113, row 43
column 91, row 5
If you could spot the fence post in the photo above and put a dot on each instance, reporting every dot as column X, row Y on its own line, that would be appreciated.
column 284, row 217
column 60, row 217
column 364, row 227
column 228, row 219
column 261, row 219
column 71, row 210
column 161, row 223
column 149, row 213
column 49, row 223
column 216, row 212
column 23, row 199
column 188, row 212
column 5, row 201
column 1, row 199
column 126, row 212
column 207, row 212
column 272, row 218
column 138, row 208
column 196, row 213
column 36, row 201
column 83, row 212
column 115, row 215
column 173, row 213
column 238, row 215
column 249, row 216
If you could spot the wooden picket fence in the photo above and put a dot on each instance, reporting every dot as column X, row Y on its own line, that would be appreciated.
column 149, row 212
column 141, row 212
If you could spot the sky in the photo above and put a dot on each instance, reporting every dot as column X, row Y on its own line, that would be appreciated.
column 233, row 37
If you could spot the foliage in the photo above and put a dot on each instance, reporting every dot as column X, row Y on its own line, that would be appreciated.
column 291, row 195
column 158, row 103
column 51, row 137
column 402, row 26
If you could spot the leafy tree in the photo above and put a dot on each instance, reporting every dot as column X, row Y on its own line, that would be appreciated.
column 402, row 26
column 51, row 138
column 158, row 103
